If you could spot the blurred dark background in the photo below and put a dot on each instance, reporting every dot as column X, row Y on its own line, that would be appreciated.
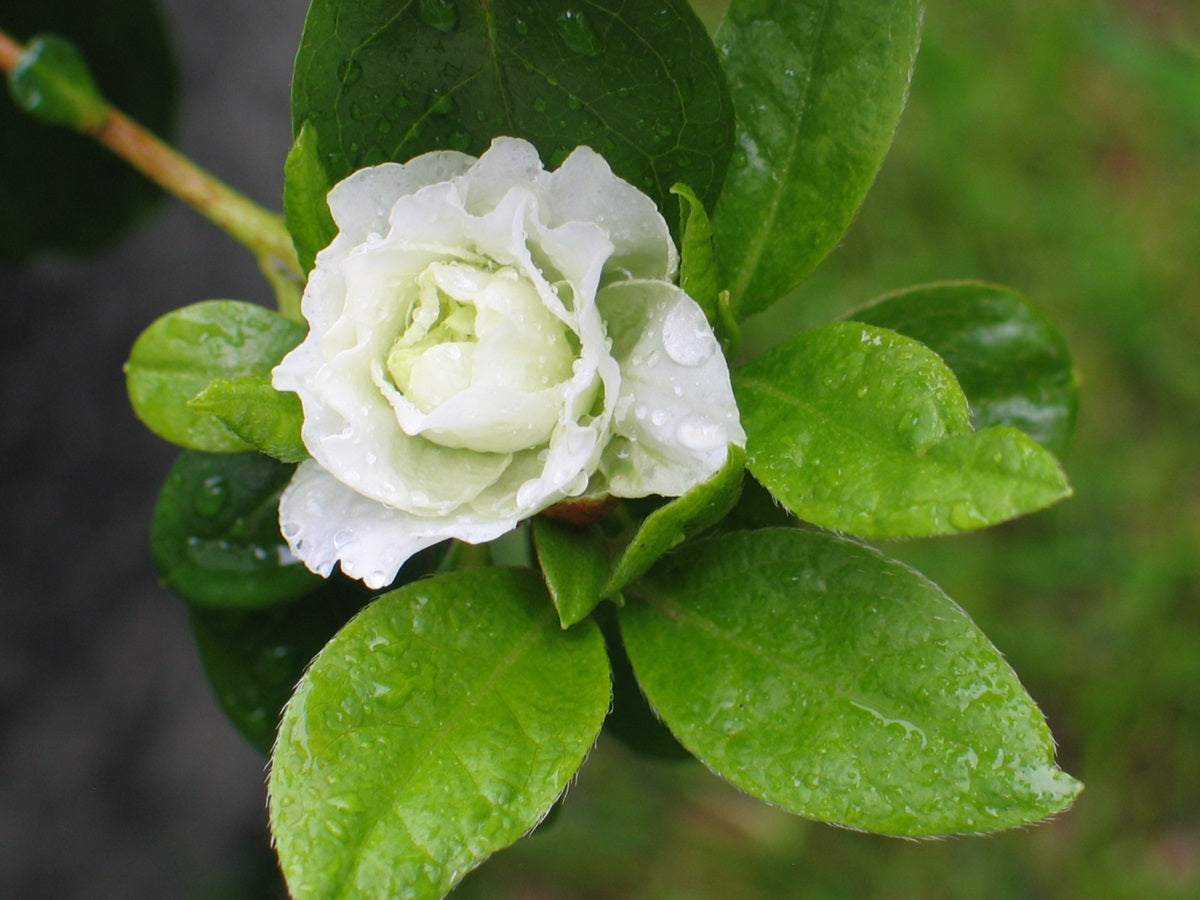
column 1053, row 145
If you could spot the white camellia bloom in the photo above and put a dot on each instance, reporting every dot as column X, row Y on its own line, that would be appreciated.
column 488, row 339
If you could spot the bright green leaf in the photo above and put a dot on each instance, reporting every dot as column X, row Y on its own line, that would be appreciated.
column 52, row 83
column 253, row 658
column 183, row 352
column 826, row 679
column 670, row 525
column 818, row 87
column 215, row 533
column 266, row 419
column 697, row 268
column 640, row 83
column 1012, row 363
column 574, row 563
column 862, row 430
column 60, row 190
column 437, row 727
column 305, row 186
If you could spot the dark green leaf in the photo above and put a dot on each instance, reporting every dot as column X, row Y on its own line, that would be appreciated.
column 253, row 658
column 574, row 564
column 266, row 419
column 59, row 190
column 818, row 87
column 53, row 83
column 216, row 534
column 183, row 352
column 670, row 525
column 640, row 83
column 1011, row 361
column 305, row 186
column 862, row 430
column 824, row 678
column 437, row 727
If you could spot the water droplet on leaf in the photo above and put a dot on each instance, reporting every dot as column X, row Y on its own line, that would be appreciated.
column 578, row 34
column 349, row 71
column 441, row 15
column 212, row 496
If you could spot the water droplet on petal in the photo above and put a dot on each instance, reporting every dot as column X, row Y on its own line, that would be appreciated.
column 687, row 339
column 697, row 433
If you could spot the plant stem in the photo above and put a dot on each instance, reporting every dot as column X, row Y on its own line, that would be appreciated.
column 256, row 228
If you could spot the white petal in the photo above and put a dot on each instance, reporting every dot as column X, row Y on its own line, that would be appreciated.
column 507, row 163
column 361, row 202
column 584, row 189
column 326, row 523
column 676, row 413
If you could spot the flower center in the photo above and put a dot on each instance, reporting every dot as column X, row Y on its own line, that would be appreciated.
column 480, row 346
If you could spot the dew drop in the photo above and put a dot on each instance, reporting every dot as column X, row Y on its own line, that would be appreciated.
column 697, row 433
column 440, row 15
column 659, row 417
column 349, row 71
column 342, row 538
column 687, row 339
column 439, row 105
column 578, row 34
column 521, row 27
column 539, row 104
column 212, row 496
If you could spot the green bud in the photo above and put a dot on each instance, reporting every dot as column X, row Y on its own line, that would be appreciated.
column 52, row 83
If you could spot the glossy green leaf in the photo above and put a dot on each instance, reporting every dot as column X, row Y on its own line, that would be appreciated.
column 305, row 186
column 253, row 658
column 826, row 679
column 437, row 727
column 53, row 83
column 574, row 564
column 818, row 87
column 863, row 430
column 266, row 419
column 183, row 352
column 697, row 267
column 215, row 533
column 670, row 525
column 59, row 189
column 640, row 83
column 1012, row 363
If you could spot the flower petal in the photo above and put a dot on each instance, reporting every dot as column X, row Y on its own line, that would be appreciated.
column 326, row 523
column 676, row 414
column 584, row 189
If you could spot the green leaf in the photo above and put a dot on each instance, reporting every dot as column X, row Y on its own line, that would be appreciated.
column 640, row 83
column 670, row 525
column 266, row 419
column 862, row 430
column 53, row 83
column 215, row 533
column 826, row 679
column 697, row 268
column 1012, row 363
column 305, row 186
column 183, row 352
column 60, row 190
column 818, row 87
column 253, row 658
column 437, row 727
column 575, row 565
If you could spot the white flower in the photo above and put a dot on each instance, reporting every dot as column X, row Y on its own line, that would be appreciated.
column 488, row 339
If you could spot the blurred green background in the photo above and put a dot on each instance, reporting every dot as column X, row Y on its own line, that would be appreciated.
column 1052, row 145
